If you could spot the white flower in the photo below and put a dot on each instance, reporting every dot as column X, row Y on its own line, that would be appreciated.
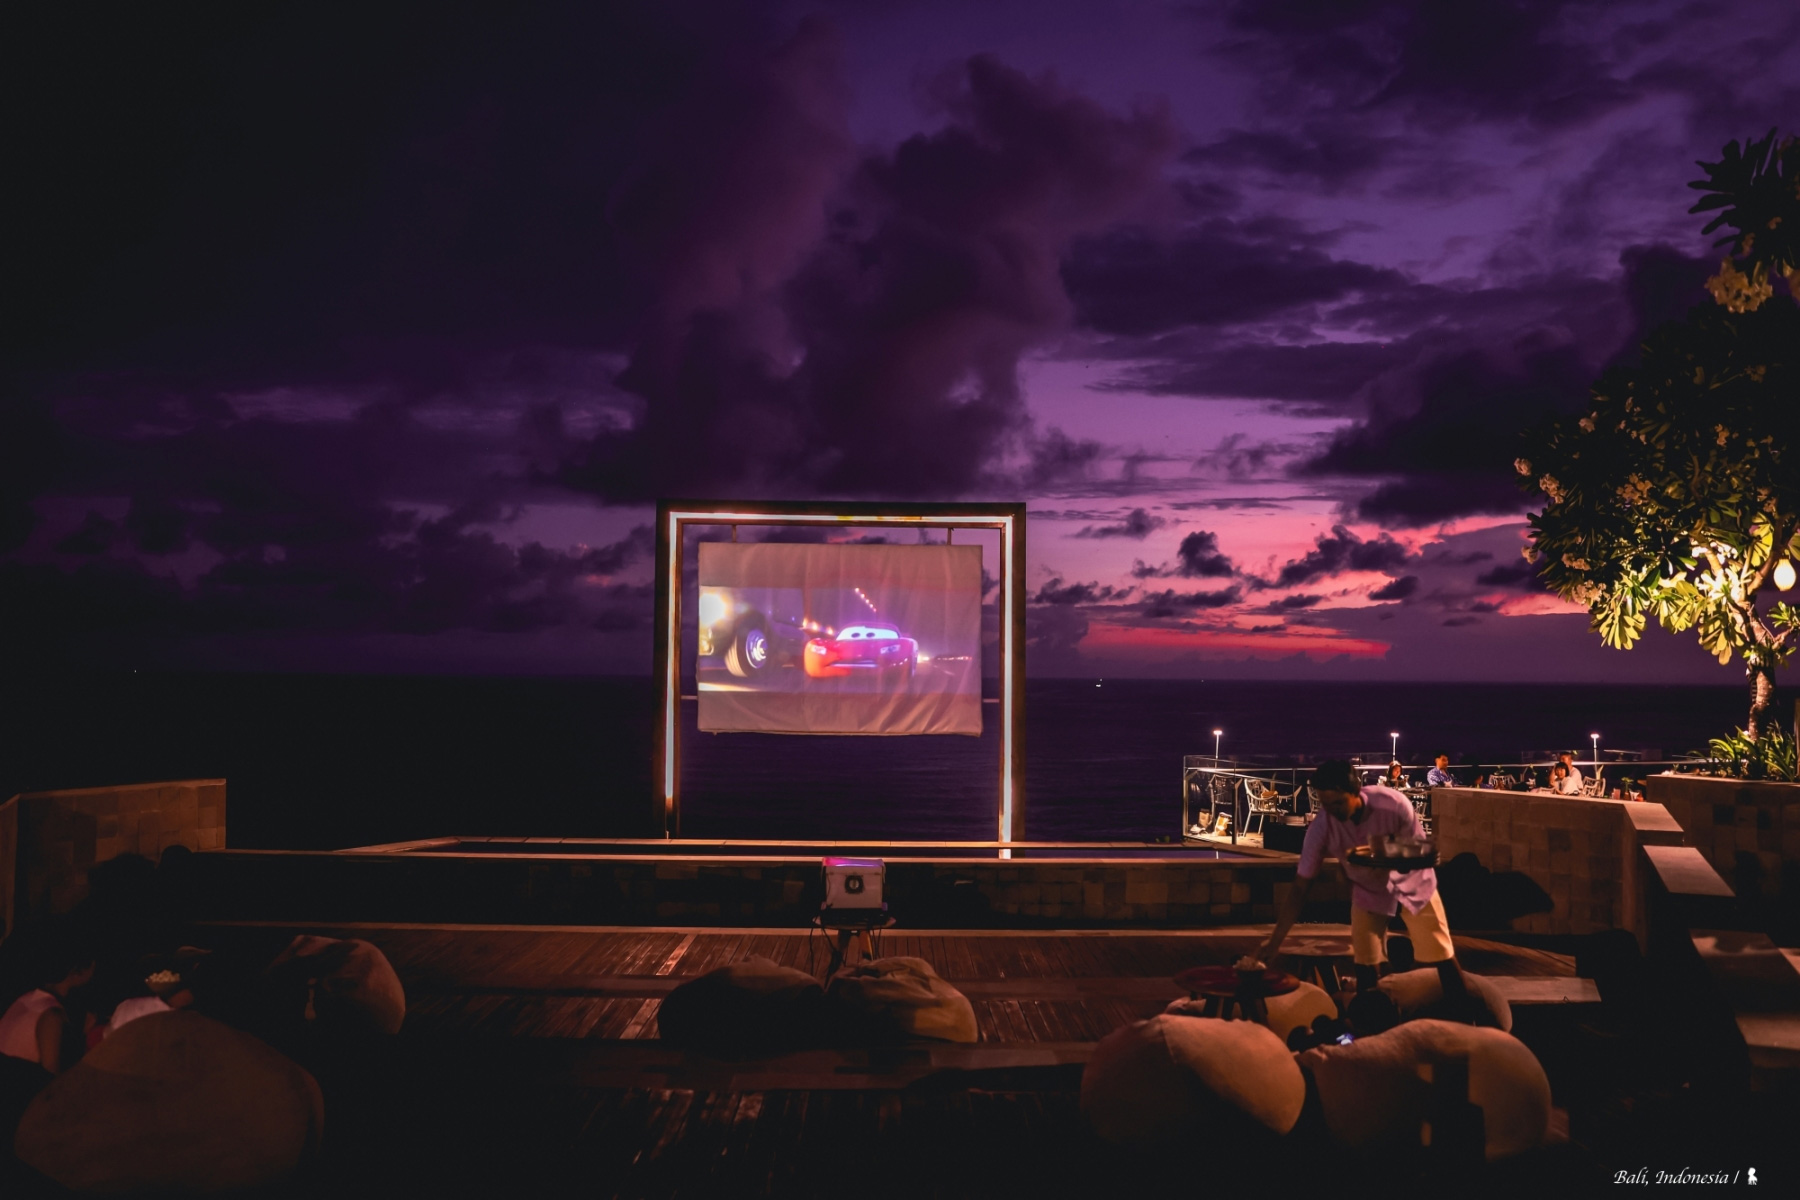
column 1522, row 466
column 1574, row 563
column 1587, row 424
column 1548, row 485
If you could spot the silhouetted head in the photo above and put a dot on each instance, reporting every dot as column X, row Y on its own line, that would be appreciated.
column 1337, row 787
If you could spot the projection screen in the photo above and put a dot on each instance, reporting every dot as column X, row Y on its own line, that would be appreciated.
column 842, row 639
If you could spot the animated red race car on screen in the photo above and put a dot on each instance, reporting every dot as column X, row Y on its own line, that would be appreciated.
column 861, row 649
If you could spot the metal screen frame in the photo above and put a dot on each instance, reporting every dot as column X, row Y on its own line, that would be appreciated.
column 674, row 516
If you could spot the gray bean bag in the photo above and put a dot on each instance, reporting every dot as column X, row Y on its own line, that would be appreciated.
column 1375, row 1096
column 174, row 1102
column 744, row 1007
column 1419, row 995
column 345, row 985
column 888, row 999
column 1155, row 1085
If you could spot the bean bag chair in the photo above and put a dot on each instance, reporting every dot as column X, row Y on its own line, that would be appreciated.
column 892, row 999
column 1297, row 1009
column 1419, row 995
column 345, row 985
column 1375, row 1098
column 744, row 1007
column 1155, row 1085
column 175, row 1102
column 20, row 1082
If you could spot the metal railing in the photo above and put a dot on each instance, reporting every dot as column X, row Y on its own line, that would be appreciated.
column 1211, row 784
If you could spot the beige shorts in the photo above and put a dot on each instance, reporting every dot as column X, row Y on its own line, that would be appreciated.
column 1429, row 930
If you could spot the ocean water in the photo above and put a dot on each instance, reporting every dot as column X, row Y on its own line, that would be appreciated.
column 323, row 762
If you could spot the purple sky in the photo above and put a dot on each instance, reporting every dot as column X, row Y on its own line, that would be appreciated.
column 364, row 338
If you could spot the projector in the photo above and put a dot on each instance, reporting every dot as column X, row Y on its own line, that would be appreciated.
column 853, row 889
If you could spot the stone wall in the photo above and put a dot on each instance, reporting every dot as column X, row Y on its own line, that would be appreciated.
column 1748, row 830
column 62, row 834
column 1584, row 852
column 775, row 891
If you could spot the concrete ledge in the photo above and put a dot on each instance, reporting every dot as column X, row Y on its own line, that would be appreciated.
column 1748, row 829
column 741, row 890
column 1759, row 984
column 1654, row 825
column 1533, row 989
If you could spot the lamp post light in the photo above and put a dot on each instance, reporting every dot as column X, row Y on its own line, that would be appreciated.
column 1394, row 749
column 1596, row 738
column 1217, row 734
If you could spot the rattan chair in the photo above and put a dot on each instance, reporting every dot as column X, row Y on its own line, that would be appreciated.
column 1262, row 801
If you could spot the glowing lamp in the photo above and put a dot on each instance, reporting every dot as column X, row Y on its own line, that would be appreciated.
column 1784, row 574
column 712, row 608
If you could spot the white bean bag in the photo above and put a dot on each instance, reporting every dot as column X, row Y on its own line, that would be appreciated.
column 349, row 983
column 1155, row 1084
column 1297, row 1009
column 886, row 998
column 1419, row 995
column 174, row 1102
column 1375, row 1095
column 753, row 1004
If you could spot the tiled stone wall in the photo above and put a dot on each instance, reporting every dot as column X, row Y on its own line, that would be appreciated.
column 662, row 889
column 62, row 834
column 1749, row 831
column 1583, row 852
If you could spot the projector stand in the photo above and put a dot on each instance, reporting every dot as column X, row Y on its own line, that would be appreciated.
column 850, row 934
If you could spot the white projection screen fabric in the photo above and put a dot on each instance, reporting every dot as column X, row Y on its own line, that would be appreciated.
column 878, row 640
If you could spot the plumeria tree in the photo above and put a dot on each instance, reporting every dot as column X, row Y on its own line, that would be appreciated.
column 1676, row 495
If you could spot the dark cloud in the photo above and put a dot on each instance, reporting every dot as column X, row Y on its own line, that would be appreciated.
column 1338, row 551
column 1137, row 524
column 1238, row 456
column 1398, row 589
column 1442, row 433
column 1436, row 63
column 1197, row 557
column 937, row 271
column 1055, row 591
column 1331, row 154
column 1171, row 603
column 1521, row 575
column 1132, row 281
column 1289, row 603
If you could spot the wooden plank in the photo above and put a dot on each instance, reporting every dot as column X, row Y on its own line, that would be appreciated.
column 674, row 958
column 643, row 1023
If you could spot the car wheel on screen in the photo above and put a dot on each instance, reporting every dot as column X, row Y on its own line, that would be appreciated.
column 750, row 653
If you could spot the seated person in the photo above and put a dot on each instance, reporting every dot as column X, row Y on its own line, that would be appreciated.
column 1571, row 780
column 1439, row 775
column 1395, row 777
column 33, row 1027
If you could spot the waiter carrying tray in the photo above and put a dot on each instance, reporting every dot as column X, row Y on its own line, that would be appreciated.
column 1352, row 815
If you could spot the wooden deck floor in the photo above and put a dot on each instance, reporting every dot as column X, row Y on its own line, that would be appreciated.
column 530, row 1058
column 558, row 982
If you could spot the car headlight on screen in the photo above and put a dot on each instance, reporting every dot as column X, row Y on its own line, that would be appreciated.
column 712, row 608
column 814, row 648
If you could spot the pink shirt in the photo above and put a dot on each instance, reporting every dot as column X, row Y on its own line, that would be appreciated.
column 1384, row 812
column 18, row 1028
